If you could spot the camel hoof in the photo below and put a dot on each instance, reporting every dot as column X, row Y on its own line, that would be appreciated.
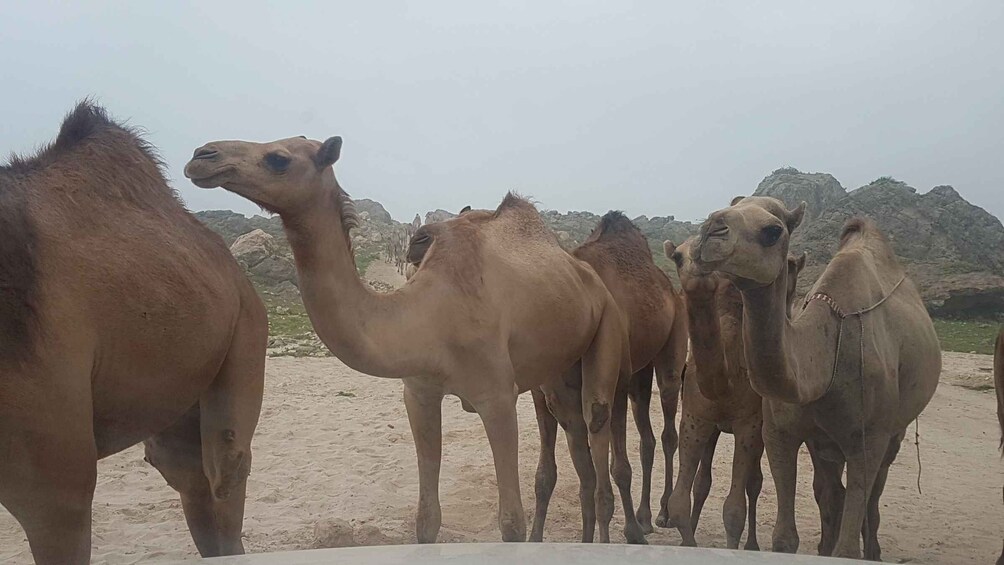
column 688, row 543
column 645, row 521
column 751, row 546
column 635, row 535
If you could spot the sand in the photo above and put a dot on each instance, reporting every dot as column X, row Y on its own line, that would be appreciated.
column 334, row 464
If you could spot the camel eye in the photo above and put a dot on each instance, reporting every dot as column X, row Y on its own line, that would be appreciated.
column 770, row 234
column 277, row 162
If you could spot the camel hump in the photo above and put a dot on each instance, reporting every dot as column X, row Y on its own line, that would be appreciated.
column 85, row 123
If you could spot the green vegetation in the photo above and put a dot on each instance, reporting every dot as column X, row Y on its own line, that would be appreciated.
column 364, row 258
column 287, row 318
column 967, row 335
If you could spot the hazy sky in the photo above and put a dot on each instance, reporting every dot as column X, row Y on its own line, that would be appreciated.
column 645, row 107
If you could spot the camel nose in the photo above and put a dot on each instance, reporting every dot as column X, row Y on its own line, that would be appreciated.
column 717, row 226
column 205, row 152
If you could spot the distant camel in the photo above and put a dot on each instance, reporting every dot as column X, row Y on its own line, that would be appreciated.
column 856, row 365
column 657, row 333
column 717, row 397
column 122, row 319
column 496, row 309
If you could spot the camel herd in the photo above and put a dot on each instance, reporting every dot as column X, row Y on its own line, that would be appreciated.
column 123, row 319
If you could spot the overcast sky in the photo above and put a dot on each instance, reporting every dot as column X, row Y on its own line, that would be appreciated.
column 645, row 107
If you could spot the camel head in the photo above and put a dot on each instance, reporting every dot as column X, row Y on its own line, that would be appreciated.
column 281, row 176
column 696, row 284
column 748, row 241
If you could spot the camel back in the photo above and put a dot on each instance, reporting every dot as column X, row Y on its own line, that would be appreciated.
column 618, row 244
column 98, row 179
column 864, row 270
column 514, row 226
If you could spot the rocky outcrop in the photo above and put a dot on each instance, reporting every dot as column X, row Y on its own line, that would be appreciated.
column 950, row 248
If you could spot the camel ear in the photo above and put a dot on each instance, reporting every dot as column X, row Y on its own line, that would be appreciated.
column 668, row 247
column 795, row 216
column 466, row 209
column 329, row 152
column 800, row 262
column 736, row 200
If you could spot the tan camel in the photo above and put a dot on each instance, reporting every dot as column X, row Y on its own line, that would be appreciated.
column 855, row 366
column 718, row 366
column 122, row 319
column 657, row 332
column 497, row 308
column 999, row 386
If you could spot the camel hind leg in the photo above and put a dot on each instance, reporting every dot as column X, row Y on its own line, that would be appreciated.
column 547, row 469
column 640, row 393
column 602, row 366
column 176, row 452
column 669, row 371
column 746, row 457
column 695, row 438
column 228, row 415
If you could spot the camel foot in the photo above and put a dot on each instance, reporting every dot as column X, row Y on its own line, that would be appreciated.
column 662, row 520
column 688, row 543
column 635, row 535
column 645, row 521
column 751, row 545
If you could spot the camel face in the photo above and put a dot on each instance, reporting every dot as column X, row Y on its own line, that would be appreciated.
column 748, row 241
column 280, row 176
column 694, row 281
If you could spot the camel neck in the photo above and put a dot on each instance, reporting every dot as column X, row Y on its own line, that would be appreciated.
column 713, row 368
column 790, row 362
column 345, row 313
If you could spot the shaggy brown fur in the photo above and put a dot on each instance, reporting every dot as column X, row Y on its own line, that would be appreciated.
column 122, row 319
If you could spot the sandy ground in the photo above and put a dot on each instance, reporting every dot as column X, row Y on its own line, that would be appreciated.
column 334, row 464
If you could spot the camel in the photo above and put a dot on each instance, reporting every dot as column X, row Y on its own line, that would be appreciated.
column 653, row 313
column 122, row 319
column 855, row 366
column 718, row 398
column 999, row 386
column 497, row 308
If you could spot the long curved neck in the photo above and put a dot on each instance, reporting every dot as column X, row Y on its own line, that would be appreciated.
column 788, row 361
column 713, row 367
column 365, row 330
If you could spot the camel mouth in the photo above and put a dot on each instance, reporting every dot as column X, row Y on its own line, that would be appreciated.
column 206, row 179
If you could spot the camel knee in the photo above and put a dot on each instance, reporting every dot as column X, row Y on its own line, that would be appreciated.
column 621, row 472
column 670, row 439
column 599, row 416
column 229, row 464
column 546, row 479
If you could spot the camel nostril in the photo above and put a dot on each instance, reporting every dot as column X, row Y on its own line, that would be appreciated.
column 205, row 153
column 720, row 231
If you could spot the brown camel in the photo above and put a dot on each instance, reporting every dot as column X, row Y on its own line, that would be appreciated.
column 122, row 319
column 718, row 366
column 497, row 308
column 999, row 386
column 653, row 314
column 856, row 365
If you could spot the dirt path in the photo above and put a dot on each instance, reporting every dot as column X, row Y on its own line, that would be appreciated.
column 334, row 444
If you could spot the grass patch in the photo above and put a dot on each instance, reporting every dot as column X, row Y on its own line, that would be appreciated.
column 967, row 335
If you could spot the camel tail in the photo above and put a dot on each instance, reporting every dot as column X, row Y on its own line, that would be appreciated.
column 999, row 382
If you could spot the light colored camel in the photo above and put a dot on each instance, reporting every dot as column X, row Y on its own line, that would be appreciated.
column 497, row 308
column 122, row 319
column 653, row 314
column 718, row 366
column 855, row 366
column 999, row 386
